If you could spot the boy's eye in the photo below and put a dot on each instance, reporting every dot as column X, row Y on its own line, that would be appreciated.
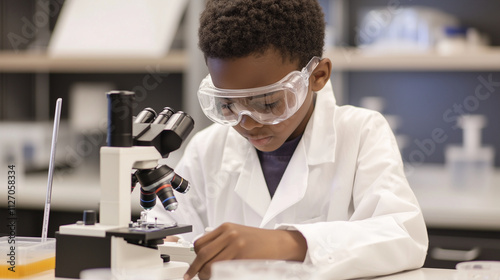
column 267, row 106
column 272, row 105
column 269, row 102
column 226, row 107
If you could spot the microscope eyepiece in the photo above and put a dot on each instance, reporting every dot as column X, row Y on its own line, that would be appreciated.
column 120, row 118
column 145, row 116
column 164, row 116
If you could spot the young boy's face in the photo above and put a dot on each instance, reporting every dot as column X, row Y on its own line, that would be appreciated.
column 257, row 71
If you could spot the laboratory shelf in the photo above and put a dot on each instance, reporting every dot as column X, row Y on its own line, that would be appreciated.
column 29, row 62
column 354, row 59
column 344, row 59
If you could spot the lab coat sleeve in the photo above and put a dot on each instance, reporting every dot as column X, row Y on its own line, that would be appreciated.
column 386, row 232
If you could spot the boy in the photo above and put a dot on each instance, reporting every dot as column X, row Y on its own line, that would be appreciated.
column 285, row 173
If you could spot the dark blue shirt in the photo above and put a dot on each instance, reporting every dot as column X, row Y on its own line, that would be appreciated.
column 274, row 163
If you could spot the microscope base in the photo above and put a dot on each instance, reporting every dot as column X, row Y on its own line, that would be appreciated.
column 118, row 248
column 75, row 253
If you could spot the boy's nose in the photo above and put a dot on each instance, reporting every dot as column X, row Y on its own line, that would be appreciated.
column 249, row 123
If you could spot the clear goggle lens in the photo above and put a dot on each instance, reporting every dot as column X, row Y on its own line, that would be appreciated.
column 267, row 105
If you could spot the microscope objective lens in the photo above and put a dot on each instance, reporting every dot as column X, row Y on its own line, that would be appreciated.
column 148, row 199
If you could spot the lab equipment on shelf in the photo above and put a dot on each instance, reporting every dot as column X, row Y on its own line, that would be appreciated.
column 459, row 40
column 405, row 29
column 453, row 41
column 470, row 166
column 416, row 29
column 378, row 104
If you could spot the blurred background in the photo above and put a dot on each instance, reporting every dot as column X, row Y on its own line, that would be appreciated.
column 432, row 68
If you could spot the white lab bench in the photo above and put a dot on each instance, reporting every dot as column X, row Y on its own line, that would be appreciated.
column 418, row 274
column 444, row 206
column 463, row 225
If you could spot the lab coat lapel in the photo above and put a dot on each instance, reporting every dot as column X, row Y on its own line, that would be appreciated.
column 240, row 156
column 320, row 146
column 292, row 187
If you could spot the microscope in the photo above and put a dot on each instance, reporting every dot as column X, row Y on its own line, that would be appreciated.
column 134, row 147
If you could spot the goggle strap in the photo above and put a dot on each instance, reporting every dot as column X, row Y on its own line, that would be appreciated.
column 311, row 65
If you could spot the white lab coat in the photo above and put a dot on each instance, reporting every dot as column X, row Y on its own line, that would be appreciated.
column 344, row 190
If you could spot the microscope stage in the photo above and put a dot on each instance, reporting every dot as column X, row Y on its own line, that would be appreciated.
column 147, row 235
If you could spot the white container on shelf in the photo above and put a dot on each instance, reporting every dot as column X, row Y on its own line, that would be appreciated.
column 470, row 166
column 453, row 42
column 409, row 30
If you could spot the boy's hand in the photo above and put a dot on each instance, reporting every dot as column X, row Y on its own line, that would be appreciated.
column 233, row 241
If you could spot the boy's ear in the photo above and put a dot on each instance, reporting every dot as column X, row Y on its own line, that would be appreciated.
column 321, row 74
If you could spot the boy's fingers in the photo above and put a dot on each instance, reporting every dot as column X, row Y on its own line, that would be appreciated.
column 206, row 249
column 206, row 270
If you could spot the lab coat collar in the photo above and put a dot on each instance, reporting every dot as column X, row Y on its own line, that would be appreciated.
column 320, row 146
column 240, row 156
column 236, row 149
column 292, row 187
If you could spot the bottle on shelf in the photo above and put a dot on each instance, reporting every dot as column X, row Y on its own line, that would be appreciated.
column 470, row 166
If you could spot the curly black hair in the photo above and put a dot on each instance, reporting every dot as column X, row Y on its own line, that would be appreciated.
column 238, row 28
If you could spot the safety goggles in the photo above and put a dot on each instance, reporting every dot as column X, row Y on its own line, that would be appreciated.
column 267, row 105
